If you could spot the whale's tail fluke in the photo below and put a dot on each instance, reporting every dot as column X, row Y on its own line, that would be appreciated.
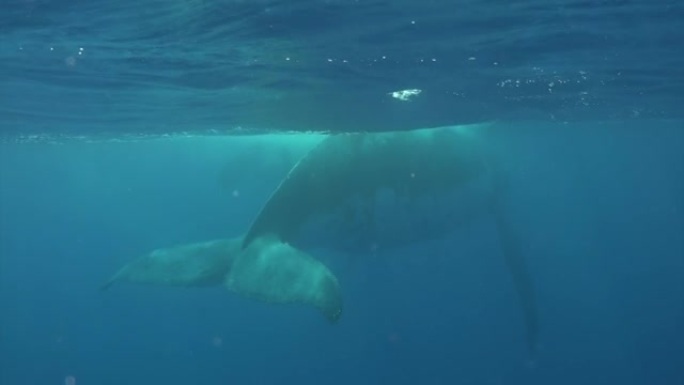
column 275, row 272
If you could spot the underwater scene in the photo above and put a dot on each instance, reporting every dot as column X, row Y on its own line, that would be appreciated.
column 341, row 192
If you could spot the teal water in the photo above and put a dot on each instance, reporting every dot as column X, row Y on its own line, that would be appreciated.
column 129, row 126
column 599, row 206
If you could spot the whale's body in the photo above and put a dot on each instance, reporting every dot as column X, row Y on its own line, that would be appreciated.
column 390, row 188
column 353, row 193
column 381, row 191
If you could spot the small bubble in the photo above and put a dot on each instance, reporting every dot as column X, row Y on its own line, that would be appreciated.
column 217, row 341
column 236, row 193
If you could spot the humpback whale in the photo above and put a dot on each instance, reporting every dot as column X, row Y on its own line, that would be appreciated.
column 363, row 191
column 190, row 265
column 348, row 179
column 268, row 270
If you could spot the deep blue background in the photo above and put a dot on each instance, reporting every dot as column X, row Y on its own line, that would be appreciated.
column 588, row 100
column 600, row 208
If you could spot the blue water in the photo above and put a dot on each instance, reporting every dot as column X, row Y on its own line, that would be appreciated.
column 113, row 123
column 80, row 67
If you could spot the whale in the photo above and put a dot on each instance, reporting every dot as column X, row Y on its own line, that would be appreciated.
column 357, row 192
column 268, row 270
column 356, row 182
column 200, row 264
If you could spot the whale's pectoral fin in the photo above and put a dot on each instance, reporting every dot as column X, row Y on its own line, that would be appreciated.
column 522, row 280
column 272, row 271
column 107, row 285
column 514, row 257
column 111, row 281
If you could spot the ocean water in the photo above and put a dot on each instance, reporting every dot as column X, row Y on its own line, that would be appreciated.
column 128, row 126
